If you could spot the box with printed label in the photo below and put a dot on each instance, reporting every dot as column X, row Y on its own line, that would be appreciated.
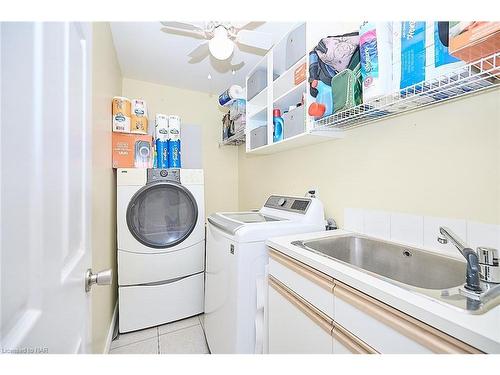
column 132, row 150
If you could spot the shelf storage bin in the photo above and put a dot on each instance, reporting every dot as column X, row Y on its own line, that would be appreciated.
column 294, row 122
column 256, row 83
column 258, row 137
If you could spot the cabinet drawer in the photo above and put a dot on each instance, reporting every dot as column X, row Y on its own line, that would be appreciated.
column 312, row 285
column 387, row 329
column 294, row 325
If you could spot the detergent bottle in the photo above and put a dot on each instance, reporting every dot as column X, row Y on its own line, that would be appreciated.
column 324, row 100
column 278, row 124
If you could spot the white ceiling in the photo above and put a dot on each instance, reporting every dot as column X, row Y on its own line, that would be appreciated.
column 149, row 54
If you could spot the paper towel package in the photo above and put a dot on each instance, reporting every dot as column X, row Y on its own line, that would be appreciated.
column 174, row 141
column 161, row 140
column 139, row 120
column 121, row 111
column 419, row 54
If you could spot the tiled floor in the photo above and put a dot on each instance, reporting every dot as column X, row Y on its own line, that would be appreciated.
column 182, row 337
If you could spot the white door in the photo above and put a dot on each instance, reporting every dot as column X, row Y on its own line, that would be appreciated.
column 45, row 195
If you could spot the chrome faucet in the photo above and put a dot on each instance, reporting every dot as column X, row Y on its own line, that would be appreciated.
column 473, row 269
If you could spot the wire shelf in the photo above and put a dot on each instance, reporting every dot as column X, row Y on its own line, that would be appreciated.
column 477, row 76
column 236, row 139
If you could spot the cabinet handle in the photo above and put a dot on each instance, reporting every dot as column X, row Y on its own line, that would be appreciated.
column 435, row 340
column 320, row 318
column 317, row 277
column 346, row 338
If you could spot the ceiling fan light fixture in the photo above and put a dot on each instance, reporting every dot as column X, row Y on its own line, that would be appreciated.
column 220, row 46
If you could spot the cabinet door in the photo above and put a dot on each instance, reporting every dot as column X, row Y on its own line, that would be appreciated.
column 294, row 325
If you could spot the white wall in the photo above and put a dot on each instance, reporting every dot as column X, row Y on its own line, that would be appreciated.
column 442, row 161
column 107, row 82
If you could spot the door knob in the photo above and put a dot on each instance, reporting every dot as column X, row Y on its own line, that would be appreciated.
column 100, row 278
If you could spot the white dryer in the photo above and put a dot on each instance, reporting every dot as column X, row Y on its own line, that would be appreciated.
column 236, row 264
column 161, row 246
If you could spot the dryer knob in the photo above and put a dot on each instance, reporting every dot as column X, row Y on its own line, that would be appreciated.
column 163, row 173
column 281, row 202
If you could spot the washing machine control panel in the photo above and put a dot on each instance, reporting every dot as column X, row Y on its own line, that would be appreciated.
column 170, row 174
column 292, row 204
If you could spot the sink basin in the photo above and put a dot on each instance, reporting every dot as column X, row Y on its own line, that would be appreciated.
column 407, row 265
column 435, row 276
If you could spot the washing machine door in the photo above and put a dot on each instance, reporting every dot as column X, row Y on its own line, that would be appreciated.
column 162, row 214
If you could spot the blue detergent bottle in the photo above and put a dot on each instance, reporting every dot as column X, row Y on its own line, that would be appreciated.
column 324, row 100
column 278, row 124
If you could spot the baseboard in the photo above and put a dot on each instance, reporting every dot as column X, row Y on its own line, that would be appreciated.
column 112, row 325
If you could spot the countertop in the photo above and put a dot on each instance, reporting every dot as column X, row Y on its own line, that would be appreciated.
column 481, row 331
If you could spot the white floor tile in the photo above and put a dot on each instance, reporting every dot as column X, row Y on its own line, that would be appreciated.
column 149, row 346
column 180, row 324
column 202, row 320
column 129, row 338
column 185, row 341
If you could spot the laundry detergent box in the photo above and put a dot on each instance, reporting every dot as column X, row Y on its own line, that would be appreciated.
column 420, row 53
column 132, row 150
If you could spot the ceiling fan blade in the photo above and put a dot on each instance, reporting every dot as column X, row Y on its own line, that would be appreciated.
column 199, row 53
column 192, row 34
column 255, row 39
column 182, row 25
column 247, row 25
column 237, row 67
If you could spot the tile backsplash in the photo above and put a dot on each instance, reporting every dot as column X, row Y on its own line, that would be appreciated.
column 418, row 230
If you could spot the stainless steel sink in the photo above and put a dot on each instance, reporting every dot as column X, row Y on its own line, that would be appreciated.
column 436, row 276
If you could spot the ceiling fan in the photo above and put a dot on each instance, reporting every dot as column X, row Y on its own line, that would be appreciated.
column 221, row 38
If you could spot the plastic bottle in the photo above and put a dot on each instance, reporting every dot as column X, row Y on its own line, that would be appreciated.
column 233, row 92
column 278, row 124
column 324, row 100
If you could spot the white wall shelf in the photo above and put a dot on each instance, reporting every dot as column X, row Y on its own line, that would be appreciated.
column 235, row 140
column 299, row 140
column 475, row 77
column 283, row 91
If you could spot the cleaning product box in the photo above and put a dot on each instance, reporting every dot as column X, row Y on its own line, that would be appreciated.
column 420, row 54
column 132, row 150
column 471, row 41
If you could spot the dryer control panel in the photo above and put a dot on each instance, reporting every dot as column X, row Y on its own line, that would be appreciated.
column 170, row 174
column 292, row 204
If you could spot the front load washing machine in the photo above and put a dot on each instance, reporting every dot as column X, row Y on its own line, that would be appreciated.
column 161, row 246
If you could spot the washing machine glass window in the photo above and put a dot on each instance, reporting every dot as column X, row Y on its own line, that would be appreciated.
column 162, row 214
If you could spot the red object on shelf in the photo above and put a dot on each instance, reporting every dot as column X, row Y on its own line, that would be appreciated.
column 316, row 109
column 276, row 112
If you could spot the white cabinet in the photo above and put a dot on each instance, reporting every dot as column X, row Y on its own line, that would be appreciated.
column 310, row 312
column 294, row 327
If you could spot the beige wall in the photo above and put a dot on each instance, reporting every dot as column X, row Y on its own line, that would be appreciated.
column 443, row 161
column 220, row 164
column 107, row 82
